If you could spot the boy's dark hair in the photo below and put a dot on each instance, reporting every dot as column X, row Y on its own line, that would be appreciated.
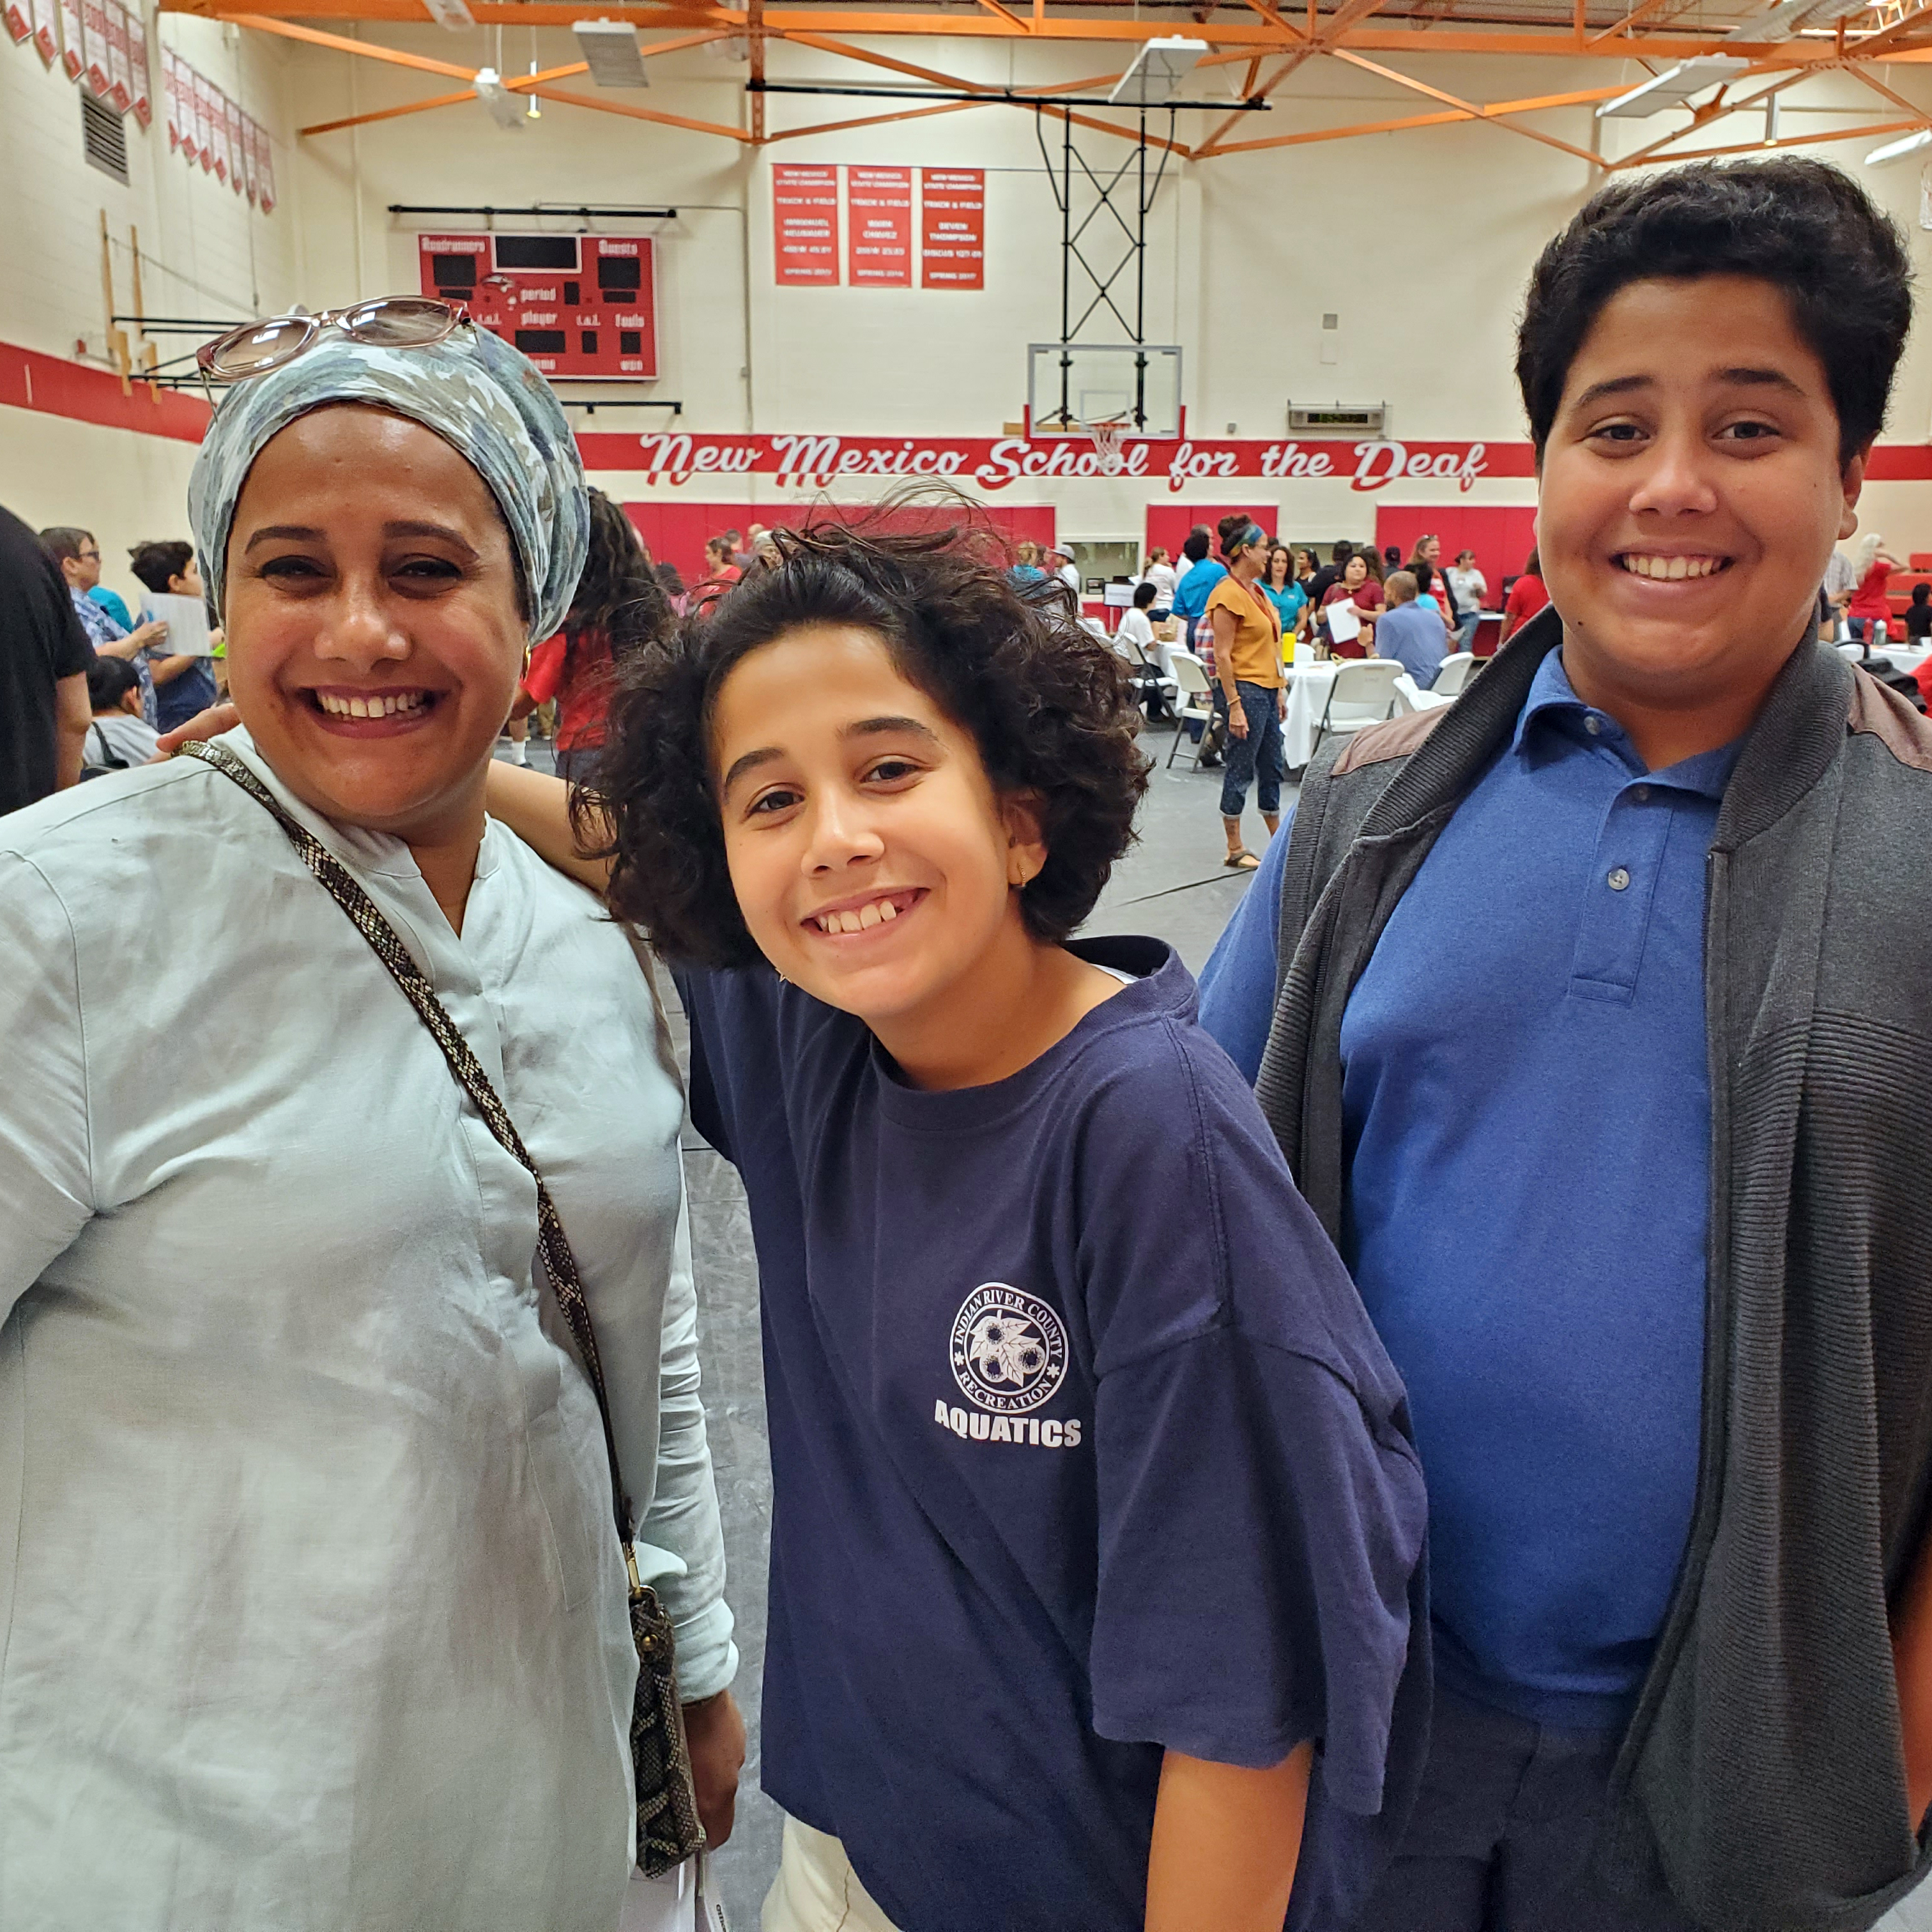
column 1048, row 704
column 1340, row 552
column 1920, row 592
column 1144, row 594
column 1801, row 225
column 1424, row 574
column 109, row 680
column 1198, row 544
column 157, row 564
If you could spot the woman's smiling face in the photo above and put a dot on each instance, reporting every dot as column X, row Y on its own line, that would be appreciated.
column 375, row 638
column 1691, row 489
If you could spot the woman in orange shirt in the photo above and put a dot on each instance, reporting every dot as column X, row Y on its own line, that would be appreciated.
column 1247, row 664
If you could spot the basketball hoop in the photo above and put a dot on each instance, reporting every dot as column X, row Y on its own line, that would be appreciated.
column 1107, row 437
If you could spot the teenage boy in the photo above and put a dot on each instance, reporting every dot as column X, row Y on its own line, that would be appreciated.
column 183, row 685
column 1601, row 1045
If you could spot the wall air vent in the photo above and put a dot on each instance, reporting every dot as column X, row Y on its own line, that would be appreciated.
column 104, row 137
column 1365, row 419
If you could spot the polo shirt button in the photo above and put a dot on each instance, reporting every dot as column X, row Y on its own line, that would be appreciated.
column 1593, row 724
column 1642, row 794
column 1619, row 879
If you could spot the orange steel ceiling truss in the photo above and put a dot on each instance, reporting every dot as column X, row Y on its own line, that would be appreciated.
column 1269, row 42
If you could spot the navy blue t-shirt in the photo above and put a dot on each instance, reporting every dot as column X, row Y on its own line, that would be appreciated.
column 1082, row 1446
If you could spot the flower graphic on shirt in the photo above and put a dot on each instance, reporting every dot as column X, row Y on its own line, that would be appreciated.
column 1009, row 1350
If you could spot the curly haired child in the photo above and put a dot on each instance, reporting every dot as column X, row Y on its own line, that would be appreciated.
column 1097, row 1529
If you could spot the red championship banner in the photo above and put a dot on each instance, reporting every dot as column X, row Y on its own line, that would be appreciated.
column 878, row 227
column 139, row 71
column 120, row 75
column 73, row 40
column 99, row 72
column 952, row 228
column 19, row 21
column 805, row 226
column 46, row 30
column 265, row 168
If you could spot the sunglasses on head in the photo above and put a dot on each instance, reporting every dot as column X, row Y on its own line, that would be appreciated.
column 388, row 322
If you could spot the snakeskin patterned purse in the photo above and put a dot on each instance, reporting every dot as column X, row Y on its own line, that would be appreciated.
column 668, row 1830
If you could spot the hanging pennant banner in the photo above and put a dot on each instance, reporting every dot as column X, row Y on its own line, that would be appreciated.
column 99, row 70
column 236, row 166
column 202, row 94
column 244, row 147
column 20, row 21
column 264, row 169
column 805, row 226
column 73, row 40
column 140, row 80
column 46, row 30
column 120, row 75
column 171, row 98
column 952, row 228
column 878, row 227
column 218, row 107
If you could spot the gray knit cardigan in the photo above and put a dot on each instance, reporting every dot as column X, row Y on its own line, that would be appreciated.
column 1762, row 1777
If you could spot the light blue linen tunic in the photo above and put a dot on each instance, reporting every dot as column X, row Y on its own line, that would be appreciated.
column 312, row 1614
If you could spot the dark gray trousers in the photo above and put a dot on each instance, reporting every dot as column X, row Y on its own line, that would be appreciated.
column 1502, row 1833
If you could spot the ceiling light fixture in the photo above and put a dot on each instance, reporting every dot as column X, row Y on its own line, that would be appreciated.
column 1674, row 89
column 611, row 51
column 1907, row 144
column 505, row 108
column 451, row 13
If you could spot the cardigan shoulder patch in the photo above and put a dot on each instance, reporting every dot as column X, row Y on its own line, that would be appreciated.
column 1879, row 713
column 1394, row 738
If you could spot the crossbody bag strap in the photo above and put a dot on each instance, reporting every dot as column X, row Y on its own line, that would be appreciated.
column 340, row 885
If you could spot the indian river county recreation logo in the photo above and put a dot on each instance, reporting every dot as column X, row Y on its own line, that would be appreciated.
column 1009, row 1350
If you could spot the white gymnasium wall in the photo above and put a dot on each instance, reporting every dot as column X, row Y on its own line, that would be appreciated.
column 1419, row 242
column 205, row 252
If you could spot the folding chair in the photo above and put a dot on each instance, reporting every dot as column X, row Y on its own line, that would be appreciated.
column 1363, row 693
column 1195, row 690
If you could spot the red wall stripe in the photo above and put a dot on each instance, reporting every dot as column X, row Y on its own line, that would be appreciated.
column 51, row 386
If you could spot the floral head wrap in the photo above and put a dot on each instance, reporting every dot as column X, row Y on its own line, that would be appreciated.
column 483, row 398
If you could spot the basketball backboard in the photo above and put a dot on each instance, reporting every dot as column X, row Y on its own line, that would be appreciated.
column 1131, row 386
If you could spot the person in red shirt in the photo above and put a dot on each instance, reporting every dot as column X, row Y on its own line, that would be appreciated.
column 1527, row 595
column 1359, row 587
column 619, row 602
column 1869, row 603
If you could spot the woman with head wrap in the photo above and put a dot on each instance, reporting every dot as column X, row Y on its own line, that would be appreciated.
column 311, row 1606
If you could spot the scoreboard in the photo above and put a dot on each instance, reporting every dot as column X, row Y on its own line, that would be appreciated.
column 581, row 306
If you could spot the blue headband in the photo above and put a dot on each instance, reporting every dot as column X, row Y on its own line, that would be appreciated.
column 483, row 398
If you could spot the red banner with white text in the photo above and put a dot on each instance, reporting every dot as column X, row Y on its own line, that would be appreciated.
column 878, row 227
column 952, row 228
column 805, row 226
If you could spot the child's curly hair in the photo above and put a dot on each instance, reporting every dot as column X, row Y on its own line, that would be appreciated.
column 1048, row 704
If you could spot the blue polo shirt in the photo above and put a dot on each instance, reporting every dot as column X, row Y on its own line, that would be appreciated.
column 1413, row 636
column 1527, row 1115
column 1197, row 582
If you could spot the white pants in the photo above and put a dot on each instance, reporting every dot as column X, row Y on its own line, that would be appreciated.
column 817, row 1890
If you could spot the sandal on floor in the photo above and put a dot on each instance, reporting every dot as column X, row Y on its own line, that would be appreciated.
column 1243, row 861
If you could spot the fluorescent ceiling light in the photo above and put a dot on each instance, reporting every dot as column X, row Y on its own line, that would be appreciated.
column 451, row 13
column 609, row 49
column 1159, row 69
column 1907, row 144
column 505, row 109
column 1674, row 89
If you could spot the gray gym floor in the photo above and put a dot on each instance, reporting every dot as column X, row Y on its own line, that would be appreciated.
column 1171, row 885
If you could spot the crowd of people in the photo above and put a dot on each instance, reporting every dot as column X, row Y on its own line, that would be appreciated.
column 1425, row 1434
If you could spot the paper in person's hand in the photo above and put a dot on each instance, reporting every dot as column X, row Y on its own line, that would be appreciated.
column 1345, row 621
column 187, row 620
